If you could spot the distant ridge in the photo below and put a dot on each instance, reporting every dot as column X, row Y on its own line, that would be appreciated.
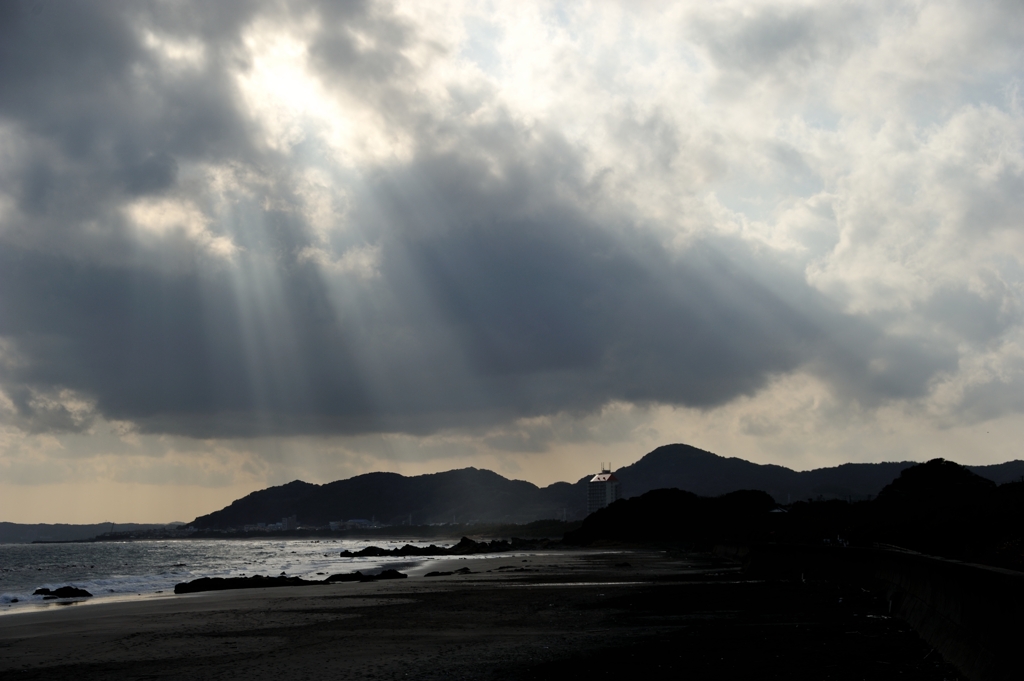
column 472, row 495
column 465, row 495
column 23, row 533
column 701, row 472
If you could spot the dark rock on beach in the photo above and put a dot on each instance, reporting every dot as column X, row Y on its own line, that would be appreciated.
column 360, row 577
column 346, row 577
column 223, row 584
column 460, row 571
column 63, row 592
column 261, row 582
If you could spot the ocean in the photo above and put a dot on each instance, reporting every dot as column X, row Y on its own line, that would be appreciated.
column 129, row 570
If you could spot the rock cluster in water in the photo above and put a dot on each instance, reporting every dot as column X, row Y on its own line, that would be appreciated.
column 226, row 583
column 465, row 547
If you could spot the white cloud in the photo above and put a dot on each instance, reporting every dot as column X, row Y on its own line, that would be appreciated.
column 177, row 54
column 363, row 262
column 168, row 217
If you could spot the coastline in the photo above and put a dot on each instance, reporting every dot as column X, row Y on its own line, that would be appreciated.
column 542, row 615
column 127, row 570
column 413, row 567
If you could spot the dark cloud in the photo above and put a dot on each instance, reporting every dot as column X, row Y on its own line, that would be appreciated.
column 776, row 41
column 494, row 300
column 995, row 398
column 99, row 119
column 49, row 412
column 973, row 317
column 497, row 291
column 359, row 45
column 150, row 175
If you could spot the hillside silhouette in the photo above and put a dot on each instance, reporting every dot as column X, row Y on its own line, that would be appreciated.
column 942, row 508
column 938, row 508
column 472, row 495
column 465, row 495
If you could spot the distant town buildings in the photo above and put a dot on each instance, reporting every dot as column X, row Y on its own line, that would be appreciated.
column 354, row 524
column 291, row 523
column 286, row 524
column 602, row 489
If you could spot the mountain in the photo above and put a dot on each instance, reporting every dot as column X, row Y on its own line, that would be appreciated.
column 472, row 495
column 466, row 495
column 706, row 474
column 18, row 533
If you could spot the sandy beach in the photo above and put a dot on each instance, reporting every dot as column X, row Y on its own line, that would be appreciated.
column 560, row 615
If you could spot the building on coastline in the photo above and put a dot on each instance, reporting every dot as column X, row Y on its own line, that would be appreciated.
column 602, row 489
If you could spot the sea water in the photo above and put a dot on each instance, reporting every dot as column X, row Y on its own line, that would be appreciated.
column 144, row 568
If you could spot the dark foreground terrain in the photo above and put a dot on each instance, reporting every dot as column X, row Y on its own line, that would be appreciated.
column 548, row 615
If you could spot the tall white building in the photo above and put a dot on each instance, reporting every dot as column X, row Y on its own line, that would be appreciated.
column 602, row 489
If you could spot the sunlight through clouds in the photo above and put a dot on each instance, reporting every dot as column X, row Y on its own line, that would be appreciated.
column 293, row 106
column 247, row 243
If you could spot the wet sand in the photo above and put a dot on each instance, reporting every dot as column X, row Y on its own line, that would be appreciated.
column 560, row 615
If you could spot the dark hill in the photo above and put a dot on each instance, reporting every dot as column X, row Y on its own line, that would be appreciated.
column 466, row 495
column 672, row 515
column 264, row 506
column 469, row 494
column 703, row 473
column 937, row 484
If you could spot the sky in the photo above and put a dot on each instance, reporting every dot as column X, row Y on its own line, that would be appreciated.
column 243, row 243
